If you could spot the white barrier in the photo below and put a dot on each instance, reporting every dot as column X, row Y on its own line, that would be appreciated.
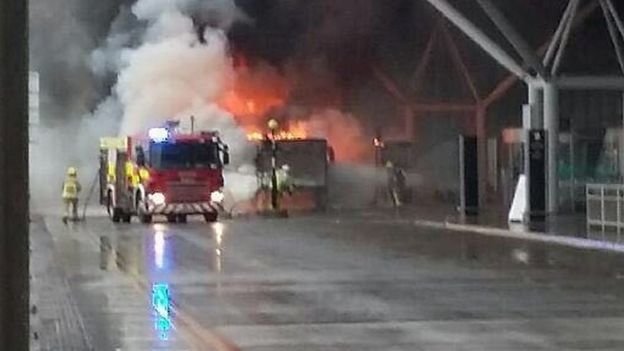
column 605, row 206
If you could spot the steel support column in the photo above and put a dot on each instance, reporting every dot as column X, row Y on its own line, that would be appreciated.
column 14, row 222
column 554, row 43
column 591, row 82
column 516, row 40
column 504, row 85
column 535, row 120
column 481, row 116
column 537, row 107
column 480, row 38
column 565, row 38
column 426, row 57
column 443, row 107
column 461, row 65
column 616, row 17
column 621, row 147
column 551, row 125
column 613, row 33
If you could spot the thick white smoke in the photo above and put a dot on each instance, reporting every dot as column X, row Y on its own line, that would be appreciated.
column 176, row 72
column 62, row 34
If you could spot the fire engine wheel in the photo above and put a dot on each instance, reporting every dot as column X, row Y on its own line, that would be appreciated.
column 181, row 218
column 211, row 217
column 126, row 217
column 145, row 219
column 113, row 213
column 116, row 216
column 140, row 208
column 171, row 218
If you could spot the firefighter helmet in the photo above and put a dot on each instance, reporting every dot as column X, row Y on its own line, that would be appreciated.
column 72, row 172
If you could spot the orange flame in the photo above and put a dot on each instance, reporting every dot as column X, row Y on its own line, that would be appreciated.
column 259, row 92
column 249, row 107
column 296, row 131
column 254, row 92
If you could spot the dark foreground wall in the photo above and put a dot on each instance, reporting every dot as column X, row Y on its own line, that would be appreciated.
column 14, row 287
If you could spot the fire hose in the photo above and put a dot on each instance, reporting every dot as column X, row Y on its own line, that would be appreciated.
column 89, row 195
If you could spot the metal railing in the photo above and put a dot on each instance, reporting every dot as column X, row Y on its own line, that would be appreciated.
column 605, row 207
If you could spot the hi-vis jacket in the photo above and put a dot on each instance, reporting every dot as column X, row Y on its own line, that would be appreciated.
column 71, row 188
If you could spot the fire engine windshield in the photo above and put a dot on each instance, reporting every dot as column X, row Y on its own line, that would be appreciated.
column 183, row 155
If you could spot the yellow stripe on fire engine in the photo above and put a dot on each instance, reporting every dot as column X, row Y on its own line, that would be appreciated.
column 111, row 172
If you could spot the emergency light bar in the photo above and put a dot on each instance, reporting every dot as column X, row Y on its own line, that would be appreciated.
column 158, row 135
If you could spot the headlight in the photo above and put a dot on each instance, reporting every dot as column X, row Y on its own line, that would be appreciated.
column 157, row 199
column 217, row 196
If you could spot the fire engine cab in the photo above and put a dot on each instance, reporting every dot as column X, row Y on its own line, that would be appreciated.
column 163, row 173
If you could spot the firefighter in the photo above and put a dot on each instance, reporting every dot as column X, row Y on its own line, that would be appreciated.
column 284, row 181
column 142, row 173
column 71, row 190
column 284, row 186
column 396, row 184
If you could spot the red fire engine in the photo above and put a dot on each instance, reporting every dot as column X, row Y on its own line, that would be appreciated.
column 164, row 173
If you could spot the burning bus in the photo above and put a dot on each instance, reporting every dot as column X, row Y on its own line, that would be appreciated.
column 308, row 160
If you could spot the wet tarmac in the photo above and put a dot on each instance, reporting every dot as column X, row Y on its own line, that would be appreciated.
column 331, row 283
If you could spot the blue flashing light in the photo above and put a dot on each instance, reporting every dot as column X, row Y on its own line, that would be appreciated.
column 158, row 135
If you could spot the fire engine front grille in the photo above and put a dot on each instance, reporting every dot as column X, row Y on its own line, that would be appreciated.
column 188, row 193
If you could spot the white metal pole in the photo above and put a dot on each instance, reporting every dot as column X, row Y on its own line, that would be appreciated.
column 620, row 26
column 481, row 121
column 462, row 177
column 426, row 57
column 565, row 37
column 615, row 39
column 505, row 84
column 516, row 40
column 616, row 17
column 460, row 64
column 554, row 44
column 551, row 125
column 480, row 38
column 621, row 143
column 535, row 101
column 591, row 82
column 534, row 120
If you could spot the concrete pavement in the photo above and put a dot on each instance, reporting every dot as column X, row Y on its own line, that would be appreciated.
column 328, row 283
column 56, row 322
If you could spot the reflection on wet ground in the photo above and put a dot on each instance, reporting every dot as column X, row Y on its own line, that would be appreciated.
column 152, row 258
column 327, row 283
column 161, row 303
column 565, row 225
